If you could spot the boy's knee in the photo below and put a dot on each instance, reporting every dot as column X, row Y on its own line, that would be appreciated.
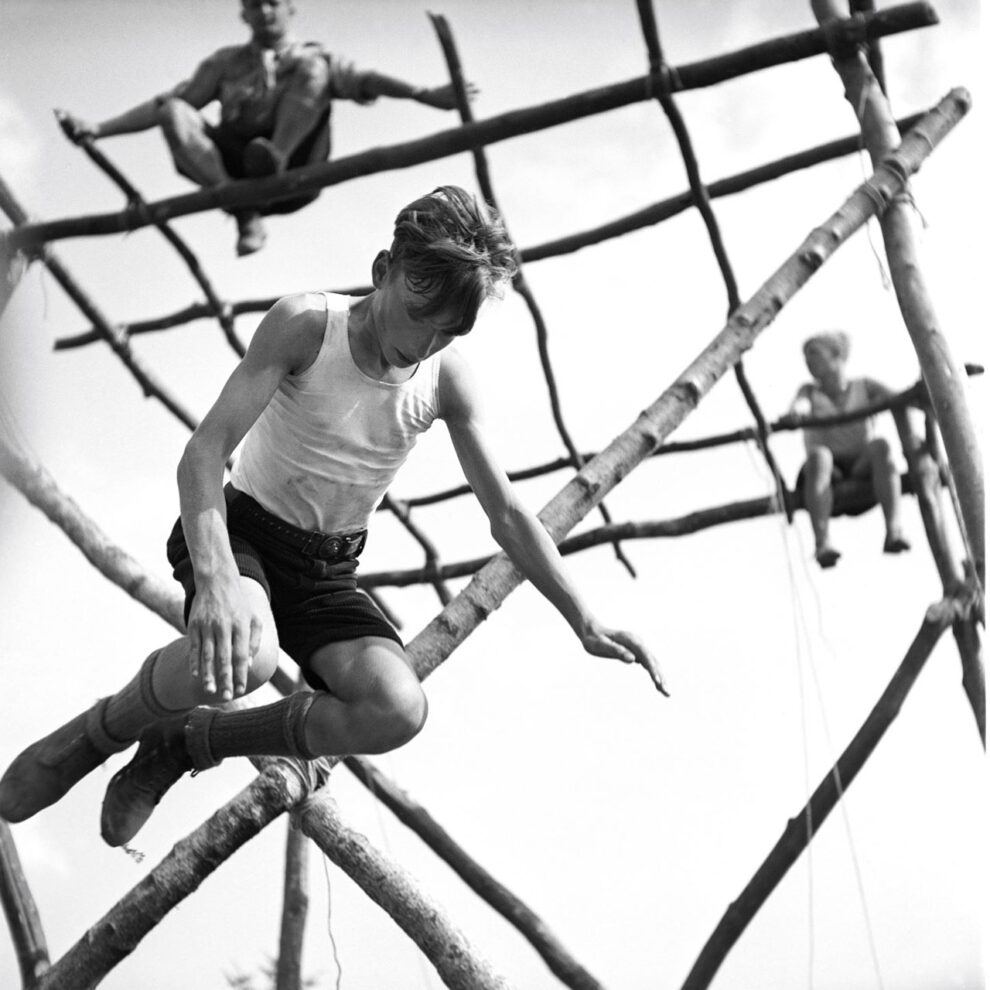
column 176, row 117
column 312, row 75
column 402, row 714
column 264, row 663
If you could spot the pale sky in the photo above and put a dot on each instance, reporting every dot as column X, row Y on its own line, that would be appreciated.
column 629, row 822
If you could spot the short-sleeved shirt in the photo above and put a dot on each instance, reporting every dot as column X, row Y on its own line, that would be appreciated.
column 249, row 81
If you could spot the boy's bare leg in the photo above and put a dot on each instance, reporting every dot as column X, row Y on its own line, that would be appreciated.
column 199, row 158
column 298, row 113
column 185, row 133
column 887, row 488
column 818, row 502
column 375, row 704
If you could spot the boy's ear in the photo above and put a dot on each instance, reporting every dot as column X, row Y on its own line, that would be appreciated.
column 379, row 268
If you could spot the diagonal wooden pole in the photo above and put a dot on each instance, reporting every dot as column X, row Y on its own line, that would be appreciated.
column 489, row 587
column 520, row 285
column 943, row 375
column 274, row 792
column 803, row 826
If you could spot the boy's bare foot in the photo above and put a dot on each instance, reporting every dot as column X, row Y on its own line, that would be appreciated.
column 827, row 555
column 250, row 233
column 895, row 542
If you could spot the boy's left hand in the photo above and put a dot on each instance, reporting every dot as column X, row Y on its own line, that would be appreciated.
column 626, row 647
column 445, row 97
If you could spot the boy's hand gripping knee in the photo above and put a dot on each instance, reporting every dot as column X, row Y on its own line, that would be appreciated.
column 224, row 637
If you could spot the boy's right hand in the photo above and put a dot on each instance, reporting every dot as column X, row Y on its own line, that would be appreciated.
column 224, row 635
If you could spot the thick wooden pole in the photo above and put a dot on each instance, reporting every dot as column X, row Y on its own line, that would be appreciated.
column 805, row 44
column 943, row 376
column 489, row 587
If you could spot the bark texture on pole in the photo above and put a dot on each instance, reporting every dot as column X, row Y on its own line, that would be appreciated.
column 497, row 579
column 943, row 376
column 557, row 957
column 34, row 482
column 189, row 863
column 295, row 908
column 460, row 966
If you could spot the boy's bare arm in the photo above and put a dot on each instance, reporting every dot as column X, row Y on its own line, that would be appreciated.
column 223, row 632
column 201, row 88
column 519, row 532
column 442, row 97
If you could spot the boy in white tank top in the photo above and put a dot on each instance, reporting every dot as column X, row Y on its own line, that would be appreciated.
column 329, row 399
column 845, row 450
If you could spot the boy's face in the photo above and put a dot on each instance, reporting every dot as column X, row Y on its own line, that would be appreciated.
column 823, row 362
column 405, row 338
column 267, row 19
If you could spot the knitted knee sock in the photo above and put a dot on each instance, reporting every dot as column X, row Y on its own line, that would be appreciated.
column 278, row 729
column 135, row 705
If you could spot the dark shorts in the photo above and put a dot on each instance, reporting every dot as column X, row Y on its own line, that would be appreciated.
column 842, row 468
column 309, row 579
column 315, row 147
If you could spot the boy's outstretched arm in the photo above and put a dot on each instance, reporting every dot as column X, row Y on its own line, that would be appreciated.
column 442, row 97
column 518, row 531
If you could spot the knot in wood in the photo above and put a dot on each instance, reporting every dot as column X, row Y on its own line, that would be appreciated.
column 814, row 258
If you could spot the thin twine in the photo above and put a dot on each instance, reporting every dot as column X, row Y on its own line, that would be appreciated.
column 802, row 633
column 333, row 941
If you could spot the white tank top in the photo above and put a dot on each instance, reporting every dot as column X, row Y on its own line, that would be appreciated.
column 323, row 453
column 843, row 439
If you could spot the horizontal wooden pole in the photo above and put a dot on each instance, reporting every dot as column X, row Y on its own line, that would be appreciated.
column 512, row 124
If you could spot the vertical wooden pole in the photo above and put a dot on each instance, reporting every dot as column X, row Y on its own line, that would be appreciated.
column 926, row 483
column 944, row 378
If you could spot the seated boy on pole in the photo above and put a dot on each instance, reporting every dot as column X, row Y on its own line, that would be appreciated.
column 846, row 450
column 275, row 96
column 328, row 400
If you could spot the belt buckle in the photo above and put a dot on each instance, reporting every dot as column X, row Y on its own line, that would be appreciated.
column 330, row 547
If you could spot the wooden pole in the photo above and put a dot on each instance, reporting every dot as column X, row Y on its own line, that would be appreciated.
column 489, row 587
column 460, row 965
column 217, row 306
column 942, row 374
column 515, row 123
column 21, row 911
column 519, row 283
column 109, row 332
column 295, row 907
column 926, row 481
column 646, row 217
column 803, row 826
column 560, row 961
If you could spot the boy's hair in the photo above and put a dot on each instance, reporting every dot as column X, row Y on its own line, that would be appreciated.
column 453, row 253
column 836, row 341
